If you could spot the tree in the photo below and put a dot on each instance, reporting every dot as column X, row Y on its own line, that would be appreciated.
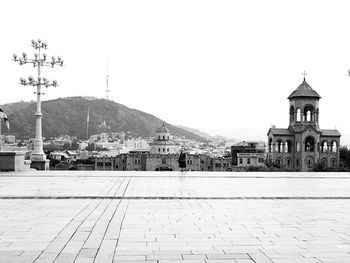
column 344, row 157
column 75, row 145
column 66, row 146
column 90, row 147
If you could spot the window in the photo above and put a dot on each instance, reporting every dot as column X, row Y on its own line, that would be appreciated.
column 248, row 161
column 240, row 160
column 309, row 144
column 324, row 147
column 261, row 160
column 291, row 113
column 298, row 147
column 163, row 149
column 297, row 162
column 309, row 161
column 334, row 147
column 158, row 149
column 163, row 137
column 334, row 162
column 167, row 150
column 299, row 115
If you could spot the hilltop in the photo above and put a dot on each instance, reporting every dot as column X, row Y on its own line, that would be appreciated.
column 69, row 115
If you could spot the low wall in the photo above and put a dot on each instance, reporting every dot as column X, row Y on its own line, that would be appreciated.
column 14, row 161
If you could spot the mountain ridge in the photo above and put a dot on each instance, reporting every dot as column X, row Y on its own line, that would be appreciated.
column 69, row 116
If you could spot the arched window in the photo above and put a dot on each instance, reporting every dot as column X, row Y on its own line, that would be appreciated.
column 291, row 113
column 298, row 147
column 334, row 162
column 334, row 147
column 298, row 114
column 279, row 146
column 279, row 161
column 309, row 144
column 324, row 147
column 270, row 145
column 309, row 161
column 286, row 147
column 290, row 145
column 309, row 113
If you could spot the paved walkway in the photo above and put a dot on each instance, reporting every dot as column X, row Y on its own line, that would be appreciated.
column 136, row 217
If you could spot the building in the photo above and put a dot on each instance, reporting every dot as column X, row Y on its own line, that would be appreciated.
column 163, row 156
column 162, row 143
column 303, row 144
column 246, row 154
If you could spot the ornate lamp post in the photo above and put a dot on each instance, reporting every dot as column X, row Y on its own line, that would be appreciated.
column 39, row 61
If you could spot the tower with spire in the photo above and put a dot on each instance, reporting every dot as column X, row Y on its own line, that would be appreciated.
column 303, row 144
column 107, row 85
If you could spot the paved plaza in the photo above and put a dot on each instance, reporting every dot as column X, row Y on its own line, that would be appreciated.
column 160, row 217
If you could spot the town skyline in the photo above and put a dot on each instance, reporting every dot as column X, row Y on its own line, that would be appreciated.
column 204, row 65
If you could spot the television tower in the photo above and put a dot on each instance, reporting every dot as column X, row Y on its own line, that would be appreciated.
column 107, row 87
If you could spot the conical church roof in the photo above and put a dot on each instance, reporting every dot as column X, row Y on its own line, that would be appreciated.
column 162, row 129
column 304, row 90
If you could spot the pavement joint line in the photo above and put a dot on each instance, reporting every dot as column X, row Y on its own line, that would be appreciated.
column 179, row 176
column 182, row 197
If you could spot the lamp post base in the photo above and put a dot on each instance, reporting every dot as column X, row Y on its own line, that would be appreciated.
column 42, row 165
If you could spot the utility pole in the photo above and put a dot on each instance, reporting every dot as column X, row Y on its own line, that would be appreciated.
column 39, row 61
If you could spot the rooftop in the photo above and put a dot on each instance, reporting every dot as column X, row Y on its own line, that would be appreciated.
column 162, row 129
column 304, row 90
column 159, row 217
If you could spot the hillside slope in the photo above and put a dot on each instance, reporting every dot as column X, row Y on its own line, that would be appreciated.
column 69, row 115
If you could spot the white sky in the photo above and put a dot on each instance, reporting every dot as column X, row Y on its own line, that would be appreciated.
column 219, row 66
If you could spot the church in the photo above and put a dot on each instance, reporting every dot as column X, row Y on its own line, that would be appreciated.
column 303, row 144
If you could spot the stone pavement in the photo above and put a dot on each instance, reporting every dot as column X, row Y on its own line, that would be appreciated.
column 140, row 217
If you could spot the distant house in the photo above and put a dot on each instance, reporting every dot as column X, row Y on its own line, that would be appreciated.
column 247, row 154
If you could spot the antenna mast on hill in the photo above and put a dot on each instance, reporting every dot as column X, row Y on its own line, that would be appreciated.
column 107, row 88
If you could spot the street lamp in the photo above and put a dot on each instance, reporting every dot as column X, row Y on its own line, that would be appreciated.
column 40, row 60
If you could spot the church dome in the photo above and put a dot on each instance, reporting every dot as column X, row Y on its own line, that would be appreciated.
column 162, row 129
column 304, row 91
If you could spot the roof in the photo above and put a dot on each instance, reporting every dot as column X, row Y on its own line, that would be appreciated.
column 278, row 131
column 162, row 129
column 304, row 90
column 335, row 133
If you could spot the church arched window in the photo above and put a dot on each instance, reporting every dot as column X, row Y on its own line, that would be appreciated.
column 334, row 147
column 279, row 146
column 309, row 144
column 309, row 113
column 324, row 147
column 298, row 114
column 291, row 113
column 298, row 147
column 270, row 145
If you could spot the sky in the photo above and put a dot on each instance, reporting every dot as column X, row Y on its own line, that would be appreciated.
column 224, row 67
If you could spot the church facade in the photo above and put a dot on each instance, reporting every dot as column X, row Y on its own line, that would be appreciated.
column 303, row 144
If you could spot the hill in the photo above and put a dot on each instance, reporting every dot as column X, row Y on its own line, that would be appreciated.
column 68, row 116
column 196, row 131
